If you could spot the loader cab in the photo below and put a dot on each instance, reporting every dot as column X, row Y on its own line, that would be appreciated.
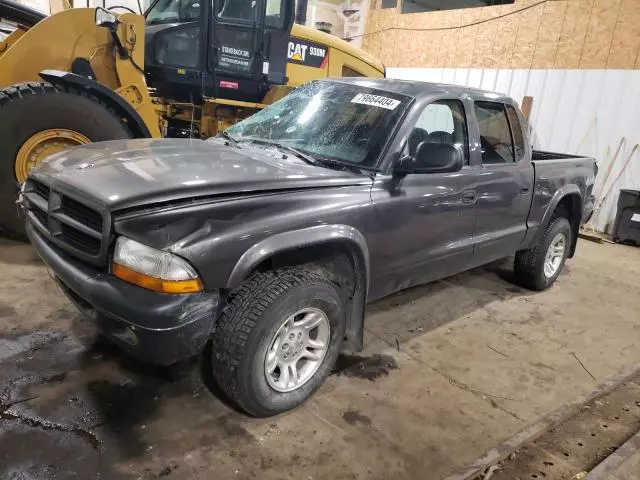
column 232, row 49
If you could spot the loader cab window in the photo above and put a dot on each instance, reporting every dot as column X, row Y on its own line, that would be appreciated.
column 350, row 72
column 237, row 10
column 175, row 29
column 173, row 11
column 275, row 14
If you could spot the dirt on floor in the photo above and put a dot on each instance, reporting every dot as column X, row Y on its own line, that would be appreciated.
column 449, row 370
column 576, row 446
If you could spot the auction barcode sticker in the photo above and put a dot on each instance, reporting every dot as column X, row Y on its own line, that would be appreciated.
column 376, row 101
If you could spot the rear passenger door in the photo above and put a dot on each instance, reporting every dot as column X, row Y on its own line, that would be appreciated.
column 505, row 182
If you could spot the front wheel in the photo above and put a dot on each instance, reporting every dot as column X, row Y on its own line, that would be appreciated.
column 277, row 340
column 539, row 267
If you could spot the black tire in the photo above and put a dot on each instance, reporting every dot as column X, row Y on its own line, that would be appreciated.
column 29, row 108
column 529, row 264
column 247, row 325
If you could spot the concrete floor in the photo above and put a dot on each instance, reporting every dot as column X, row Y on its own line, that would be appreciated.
column 450, row 370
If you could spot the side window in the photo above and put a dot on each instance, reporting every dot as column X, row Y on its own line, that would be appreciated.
column 516, row 129
column 495, row 135
column 350, row 72
column 443, row 121
column 173, row 11
column 275, row 14
column 243, row 10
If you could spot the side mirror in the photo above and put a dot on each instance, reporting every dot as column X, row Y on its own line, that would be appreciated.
column 105, row 18
column 431, row 157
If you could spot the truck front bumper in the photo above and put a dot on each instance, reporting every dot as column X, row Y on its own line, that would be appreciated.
column 155, row 327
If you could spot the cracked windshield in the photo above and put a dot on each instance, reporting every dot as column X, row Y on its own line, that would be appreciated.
column 346, row 123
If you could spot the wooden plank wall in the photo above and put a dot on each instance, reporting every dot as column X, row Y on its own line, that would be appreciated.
column 589, row 34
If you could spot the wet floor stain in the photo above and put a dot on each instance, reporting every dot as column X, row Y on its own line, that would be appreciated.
column 354, row 417
column 368, row 368
column 232, row 428
column 72, row 410
column 7, row 311
column 19, row 344
column 56, row 378
column 166, row 470
column 46, row 425
column 77, row 398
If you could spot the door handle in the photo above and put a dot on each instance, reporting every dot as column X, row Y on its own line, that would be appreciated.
column 524, row 190
column 469, row 196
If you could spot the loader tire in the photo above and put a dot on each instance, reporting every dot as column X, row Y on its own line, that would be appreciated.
column 29, row 109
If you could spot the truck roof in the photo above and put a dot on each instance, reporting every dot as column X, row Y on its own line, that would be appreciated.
column 418, row 89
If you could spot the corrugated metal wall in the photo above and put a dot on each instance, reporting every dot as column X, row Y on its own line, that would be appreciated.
column 586, row 112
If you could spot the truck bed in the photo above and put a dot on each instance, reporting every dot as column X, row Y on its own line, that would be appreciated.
column 542, row 155
column 552, row 171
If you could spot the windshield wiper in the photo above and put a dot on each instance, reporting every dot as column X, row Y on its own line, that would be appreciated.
column 304, row 156
column 230, row 140
column 312, row 160
column 282, row 146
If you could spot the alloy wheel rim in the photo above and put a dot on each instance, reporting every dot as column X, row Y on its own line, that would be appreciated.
column 297, row 349
column 42, row 144
column 555, row 254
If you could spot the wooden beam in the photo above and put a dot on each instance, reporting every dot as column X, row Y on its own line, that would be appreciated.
column 527, row 105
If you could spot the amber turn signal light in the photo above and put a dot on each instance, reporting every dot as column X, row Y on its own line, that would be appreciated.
column 156, row 284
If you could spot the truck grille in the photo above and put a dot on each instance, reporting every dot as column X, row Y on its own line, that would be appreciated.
column 42, row 217
column 70, row 224
column 41, row 190
column 81, row 213
column 79, row 240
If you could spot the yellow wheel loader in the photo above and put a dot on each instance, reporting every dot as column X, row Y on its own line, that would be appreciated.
column 186, row 68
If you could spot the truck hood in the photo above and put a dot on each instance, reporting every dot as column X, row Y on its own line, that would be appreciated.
column 128, row 173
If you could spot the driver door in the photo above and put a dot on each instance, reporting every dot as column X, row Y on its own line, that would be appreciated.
column 424, row 222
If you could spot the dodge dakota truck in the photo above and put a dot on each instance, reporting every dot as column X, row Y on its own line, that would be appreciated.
column 269, row 240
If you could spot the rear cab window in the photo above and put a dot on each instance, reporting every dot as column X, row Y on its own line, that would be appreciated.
column 495, row 134
column 516, row 130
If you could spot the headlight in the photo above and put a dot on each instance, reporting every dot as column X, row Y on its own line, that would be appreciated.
column 153, row 269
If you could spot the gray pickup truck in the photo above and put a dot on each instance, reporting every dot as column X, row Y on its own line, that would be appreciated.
column 269, row 240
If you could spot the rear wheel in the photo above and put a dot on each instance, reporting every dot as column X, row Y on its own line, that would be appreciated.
column 38, row 120
column 538, row 267
column 277, row 340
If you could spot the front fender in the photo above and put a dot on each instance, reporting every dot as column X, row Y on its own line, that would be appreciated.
column 294, row 239
column 110, row 98
column 317, row 235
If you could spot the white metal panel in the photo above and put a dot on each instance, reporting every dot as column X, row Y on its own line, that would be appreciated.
column 489, row 79
column 518, row 85
column 547, row 106
column 504, row 80
column 461, row 76
column 448, row 75
column 474, row 77
column 586, row 112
